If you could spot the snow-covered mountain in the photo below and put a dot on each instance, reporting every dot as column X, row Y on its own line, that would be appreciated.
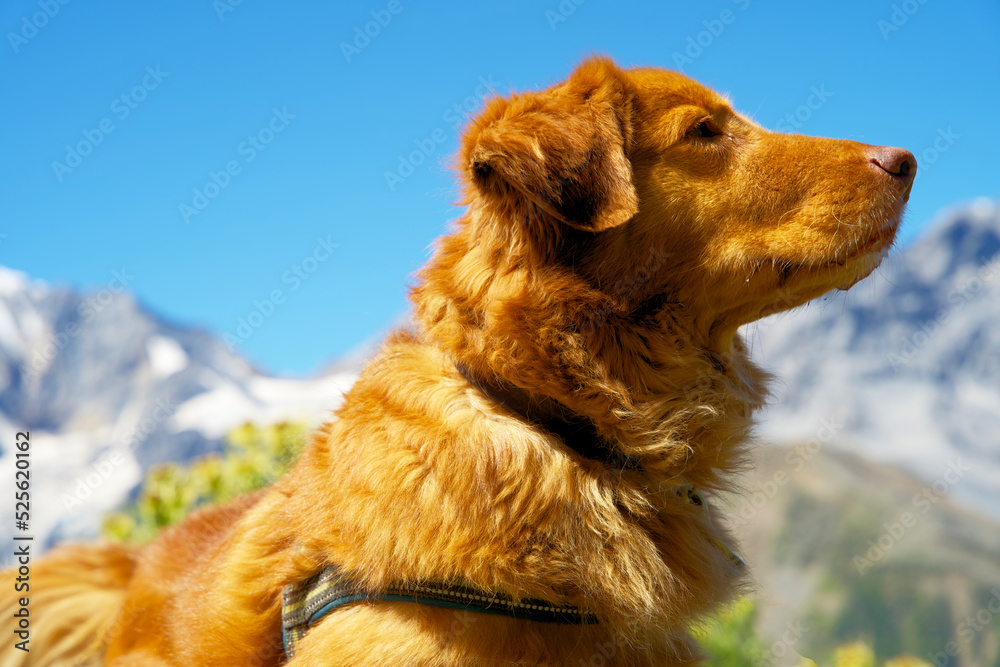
column 107, row 389
column 905, row 367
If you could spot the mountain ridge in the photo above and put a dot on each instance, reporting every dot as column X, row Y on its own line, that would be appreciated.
column 107, row 389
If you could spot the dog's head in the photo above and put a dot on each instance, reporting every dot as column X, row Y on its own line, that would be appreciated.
column 622, row 226
column 651, row 186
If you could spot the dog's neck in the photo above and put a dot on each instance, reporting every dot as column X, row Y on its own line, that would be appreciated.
column 576, row 431
column 656, row 394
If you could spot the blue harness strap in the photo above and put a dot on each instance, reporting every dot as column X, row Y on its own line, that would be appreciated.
column 303, row 604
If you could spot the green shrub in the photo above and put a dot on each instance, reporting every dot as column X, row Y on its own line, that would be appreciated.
column 253, row 458
column 729, row 637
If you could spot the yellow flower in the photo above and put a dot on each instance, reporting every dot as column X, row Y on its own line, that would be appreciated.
column 856, row 654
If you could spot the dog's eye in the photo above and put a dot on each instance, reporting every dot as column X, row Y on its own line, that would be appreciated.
column 703, row 129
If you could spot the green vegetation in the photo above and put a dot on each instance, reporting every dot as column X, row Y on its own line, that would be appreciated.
column 729, row 639
column 253, row 458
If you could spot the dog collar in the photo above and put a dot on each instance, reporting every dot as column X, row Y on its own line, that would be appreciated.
column 305, row 603
column 581, row 435
column 576, row 431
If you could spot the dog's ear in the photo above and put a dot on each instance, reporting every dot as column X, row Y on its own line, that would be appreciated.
column 564, row 149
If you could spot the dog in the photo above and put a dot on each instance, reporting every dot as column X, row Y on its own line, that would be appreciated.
column 523, row 476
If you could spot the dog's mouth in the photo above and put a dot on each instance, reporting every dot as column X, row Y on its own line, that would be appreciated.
column 854, row 261
column 865, row 265
column 869, row 253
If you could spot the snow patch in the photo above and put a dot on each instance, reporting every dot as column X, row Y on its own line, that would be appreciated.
column 264, row 400
column 12, row 282
column 11, row 341
column 166, row 356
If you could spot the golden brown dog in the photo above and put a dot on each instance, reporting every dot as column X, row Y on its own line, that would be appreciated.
column 573, row 375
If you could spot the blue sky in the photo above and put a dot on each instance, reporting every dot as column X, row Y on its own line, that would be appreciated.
column 231, row 157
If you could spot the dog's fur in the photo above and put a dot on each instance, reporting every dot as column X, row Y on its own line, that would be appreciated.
column 620, row 227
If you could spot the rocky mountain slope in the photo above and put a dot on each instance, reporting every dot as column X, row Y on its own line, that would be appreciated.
column 843, row 549
column 108, row 389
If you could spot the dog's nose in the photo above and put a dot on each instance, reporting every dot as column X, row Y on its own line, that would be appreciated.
column 898, row 162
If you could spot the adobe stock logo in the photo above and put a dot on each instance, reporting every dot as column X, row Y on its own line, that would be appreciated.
column 794, row 120
column 565, row 9
column 122, row 107
column 894, row 532
column 223, row 7
column 697, row 44
column 424, row 148
column 44, row 353
column 294, row 277
column 900, row 15
column 363, row 36
column 249, row 149
column 31, row 25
